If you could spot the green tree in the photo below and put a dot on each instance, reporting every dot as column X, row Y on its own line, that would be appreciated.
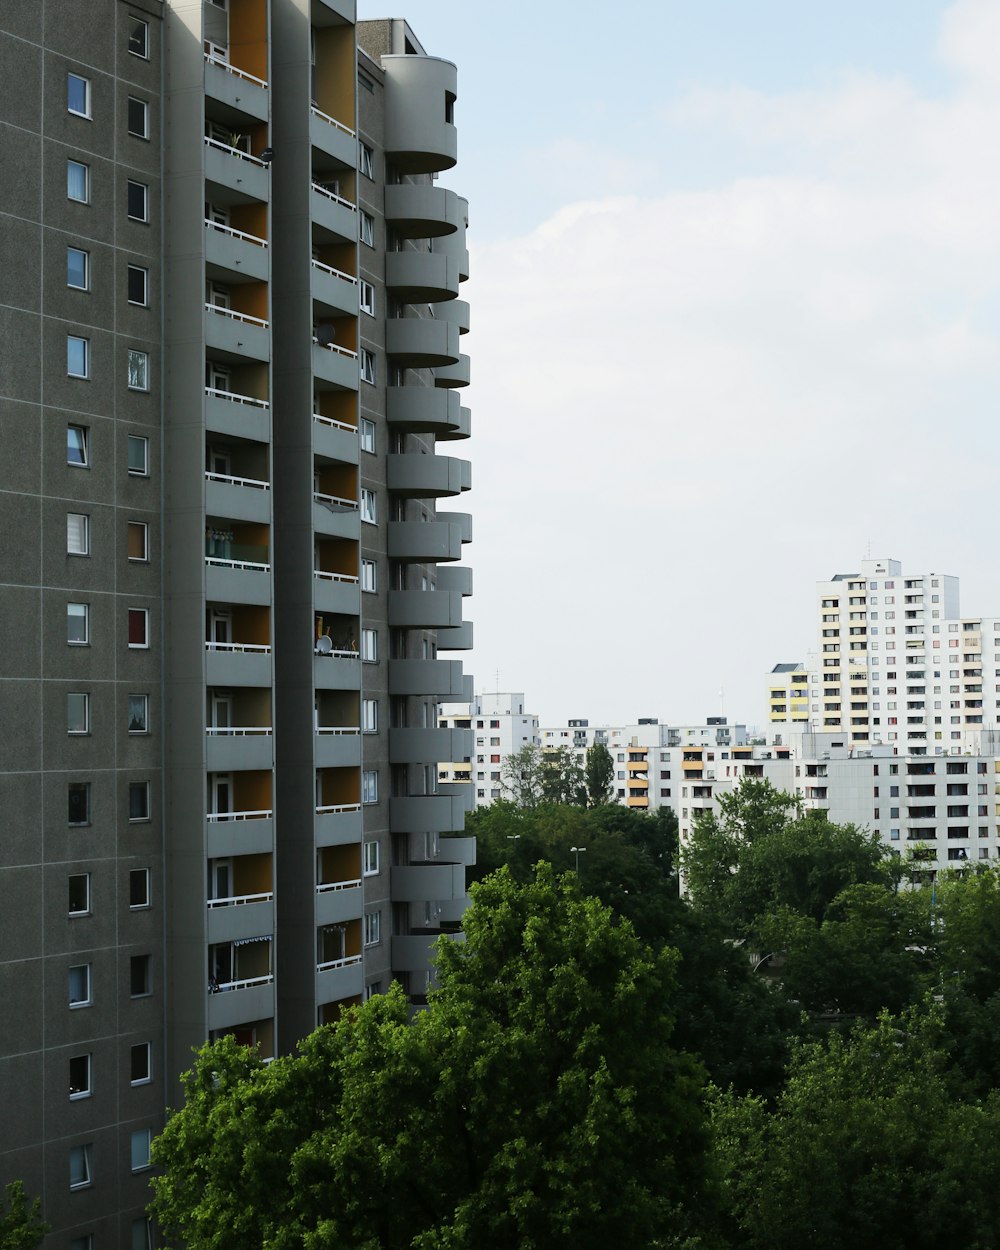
column 521, row 776
column 599, row 772
column 21, row 1225
column 563, row 780
column 867, row 1147
column 538, row 1102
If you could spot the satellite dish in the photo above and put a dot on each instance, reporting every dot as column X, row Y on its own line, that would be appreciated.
column 324, row 644
column 325, row 335
column 267, row 155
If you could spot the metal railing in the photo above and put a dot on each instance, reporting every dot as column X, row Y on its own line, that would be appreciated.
column 340, row 425
column 345, row 730
column 237, row 900
column 229, row 480
column 233, row 69
column 337, row 273
column 350, row 578
column 255, row 648
column 235, row 398
column 214, row 818
column 253, row 566
column 236, row 234
column 328, row 887
column 246, row 318
column 347, row 962
column 332, row 195
column 239, row 731
column 335, row 347
column 247, row 983
column 237, row 152
column 318, row 112
column 332, row 808
column 338, row 500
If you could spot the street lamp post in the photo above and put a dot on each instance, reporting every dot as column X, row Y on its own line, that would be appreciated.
column 576, row 851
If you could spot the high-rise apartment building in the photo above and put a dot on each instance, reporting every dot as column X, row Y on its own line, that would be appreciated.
column 895, row 664
column 230, row 312
column 500, row 727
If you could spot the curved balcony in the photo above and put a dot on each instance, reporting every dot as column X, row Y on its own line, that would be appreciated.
column 417, row 476
column 456, row 311
column 462, row 519
column 425, row 541
column 421, row 277
column 442, row 678
column 457, row 638
column 423, row 410
column 458, row 374
column 423, row 746
column 464, row 427
column 418, row 211
column 457, row 579
column 418, row 883
column 421, row 342
column 424, row 609
column 419, row 95
column 454, row 245
column 427, row 813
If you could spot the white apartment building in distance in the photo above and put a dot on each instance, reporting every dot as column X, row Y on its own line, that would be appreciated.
column 501, row 727
column 896, row 664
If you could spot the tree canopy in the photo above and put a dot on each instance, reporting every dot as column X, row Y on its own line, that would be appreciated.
column 539, row 1101
column 21, row 1225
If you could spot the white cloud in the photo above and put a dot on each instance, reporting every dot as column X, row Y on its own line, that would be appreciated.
column 678, row 399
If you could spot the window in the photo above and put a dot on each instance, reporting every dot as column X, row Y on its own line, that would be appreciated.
column 373, row 927
column 138, row 800
column 138, row 370
column 77, row 356
column 78, row 268
column 138, row 118
column 138, row 713
column 369, row 646
column 369, row 509
column 141, row 1141
column 369, row 786
column 138, row 201
column 367, row 366
column 141, row 1239
column 86, row 1242
column 367, row 435
column 369, row 716
column 79, row 894
column 138, row 540
column 138, row 888
column 76, row 445
column 366, row 159
column 138, row 456
column 78, row 182
column 77, row 534
column 138, row 37
column 79, row 1166
column 78, row 95
column 138, row 285
column 78, row 713
column 138, row 628
column 141, row 1064
column 79, row 985
column 78, row 803
column 369, row 576
column 79, row 1076
column 367, row 228
column 367, row 298
column 78, row 624
column 371, row 859
column 140, row 975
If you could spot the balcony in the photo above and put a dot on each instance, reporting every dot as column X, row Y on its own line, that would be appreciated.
column 338, row 901
column 337, row 670
column 245, row 177
column 236, row 252
column 230, row 748
column 455, row 375
column 418, row 476
column 336, row 592
column 237, row 664
column 339, row 978
column 441, row 678
column 335, row 365
column 240, row 917
column 425, row 609
column 428, row 813
column 422, row 746
column 333, row 138
column 457, row 312
column 334, row 289
column 338, row 824
column 453, row 245
column 237, row 89
column 420, row 91
column 238, row 833
column 338, row 746
column 423, row 409
column 456, row 638
column 336, row 516
column 241, row 498
column 421, row 277
column 335, row 216
column 236, row 572
column 251, row 998
column 422, row 542
column 423, row 212
column 456, row 579
column 421, row 342
column 418, row 883
column 243, row 416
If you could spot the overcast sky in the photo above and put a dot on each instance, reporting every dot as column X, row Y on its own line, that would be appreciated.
column 735, row 303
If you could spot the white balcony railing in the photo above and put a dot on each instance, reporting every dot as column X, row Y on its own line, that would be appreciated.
column 220, row 817
column 347, row 962
column 235, row 398
column 252, row 565
column 335, row 347
column 246, row 984
column 237, row 900
column 346, row 731
column 213, row 59
column 229, row 480
column 350, row 578
column 332, row 195
column 234, row 315
column 317, row 112
column 340, row 425
column 336, row 273
column 328, row 887
column 331, row 808
column 337, row 500
column 233, row 731
column 251, row 648
column 236, row 152
column 234, row 233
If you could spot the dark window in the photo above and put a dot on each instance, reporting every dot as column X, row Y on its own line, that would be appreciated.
column 79, row 803
column 140, row 975
column 138, row 37
column 138, row 800
column 138, row 282
column 138, row 197
column 138, row 118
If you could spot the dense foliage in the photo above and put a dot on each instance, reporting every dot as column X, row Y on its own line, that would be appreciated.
column 799, row 1050
column 21, row 1226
